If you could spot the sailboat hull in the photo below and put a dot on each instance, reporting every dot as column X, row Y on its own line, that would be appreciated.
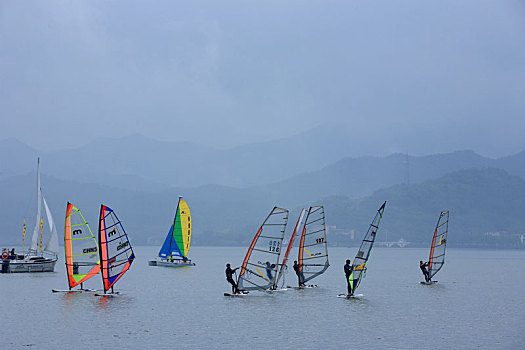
column 176, row 263
column 28, row 265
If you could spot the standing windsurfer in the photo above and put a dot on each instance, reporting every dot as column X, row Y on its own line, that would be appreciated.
column 299, row 273
column 349, row 269
column 229, row 278
column 423, row 267
column 269, row 268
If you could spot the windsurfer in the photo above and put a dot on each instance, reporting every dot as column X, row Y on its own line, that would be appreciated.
column 229, row 278
column 348, row 272
column 423, row 267
column 269, row 268
column 299, row 273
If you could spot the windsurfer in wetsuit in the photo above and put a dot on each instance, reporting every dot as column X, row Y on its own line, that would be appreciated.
column 269, row 268
column 229, row 278
column 299, row 273
column 423, row 267
column 348, row 272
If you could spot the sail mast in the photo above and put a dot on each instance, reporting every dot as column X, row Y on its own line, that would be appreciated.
column 172, row 231
column 34, row 239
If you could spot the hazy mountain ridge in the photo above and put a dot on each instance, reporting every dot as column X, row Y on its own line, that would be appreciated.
column 357, row 177
column 294, row 167
column 485, row 209
column 180, row 163
column 480, row 201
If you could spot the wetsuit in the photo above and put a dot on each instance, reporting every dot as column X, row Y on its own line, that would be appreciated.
column 299, row 274
column 269, row 270
column 229, row 278
column 425, row 272
column 348, row 273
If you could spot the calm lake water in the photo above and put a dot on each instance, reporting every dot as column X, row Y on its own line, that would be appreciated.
column 479, row 303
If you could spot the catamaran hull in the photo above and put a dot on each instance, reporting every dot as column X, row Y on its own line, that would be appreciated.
column 170, row 264
column 17, row 266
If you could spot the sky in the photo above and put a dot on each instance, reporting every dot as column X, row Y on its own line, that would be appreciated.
column 411, row 75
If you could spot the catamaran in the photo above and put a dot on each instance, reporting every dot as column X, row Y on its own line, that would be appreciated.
column 360, row 260
column 436, row 259
column 259, row 267
column 35, row 259
column 81, row 251
column 174, row 251
column 115, row 252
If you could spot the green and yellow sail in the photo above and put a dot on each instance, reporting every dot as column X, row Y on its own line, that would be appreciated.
column 177, row 242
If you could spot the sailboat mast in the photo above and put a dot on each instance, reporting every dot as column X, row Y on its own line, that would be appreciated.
column 34, row 239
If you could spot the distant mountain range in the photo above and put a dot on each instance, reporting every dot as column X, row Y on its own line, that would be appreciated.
column 302, row 167
column 231, row 191
column 485, row 206
column 138, row 162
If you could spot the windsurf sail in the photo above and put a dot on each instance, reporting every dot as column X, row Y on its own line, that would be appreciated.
column 359, row 265
column 177, row 242
column 290, row 245
column 259, row 268
column 439, row 243
column 313, row 251
column 82, row 257
column 116, row 254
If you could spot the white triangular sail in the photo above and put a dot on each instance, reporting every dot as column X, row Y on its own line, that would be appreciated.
column 52, row 243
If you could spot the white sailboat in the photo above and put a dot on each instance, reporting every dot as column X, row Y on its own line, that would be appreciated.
column 36, row 259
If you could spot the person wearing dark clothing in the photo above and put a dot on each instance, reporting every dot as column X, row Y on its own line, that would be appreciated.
column 269, row 268
column 423, row 267
column 229, row 278
column 299, row 273
column 349, row 269
column 12, row 256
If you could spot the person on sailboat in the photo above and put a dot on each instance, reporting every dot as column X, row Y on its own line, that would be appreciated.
column 423, row 267
column 229, row 278
column 12, row 256
column 299, row 273
column 349, row 269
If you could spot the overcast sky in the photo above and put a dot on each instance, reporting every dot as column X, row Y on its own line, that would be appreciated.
column 416, row 75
